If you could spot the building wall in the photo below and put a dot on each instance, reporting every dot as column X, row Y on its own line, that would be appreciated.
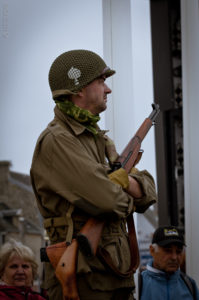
column 16, row 191
column 17, row 194
column 127, row 49
column 190, row 68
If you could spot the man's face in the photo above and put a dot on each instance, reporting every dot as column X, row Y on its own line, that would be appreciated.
column 95, row 96
column 168, row 258
column 18, row 272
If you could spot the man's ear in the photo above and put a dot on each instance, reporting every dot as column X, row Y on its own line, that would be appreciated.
column 80, row 93
column 152, row 250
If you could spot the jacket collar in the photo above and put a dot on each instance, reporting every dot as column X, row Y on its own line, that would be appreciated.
column 157, row 272
column 154, row 270
column 76, row 127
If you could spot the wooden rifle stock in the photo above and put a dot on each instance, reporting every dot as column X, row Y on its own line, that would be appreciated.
column 129, row 155
column 87, row 238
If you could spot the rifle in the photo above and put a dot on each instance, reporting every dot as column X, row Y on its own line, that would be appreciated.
column 88, row 238
column 126, row 160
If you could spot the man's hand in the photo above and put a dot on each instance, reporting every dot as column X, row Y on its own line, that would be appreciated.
column 129, row 184
column 120, row 177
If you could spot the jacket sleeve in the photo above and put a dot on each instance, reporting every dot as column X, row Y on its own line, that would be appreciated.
column 147, row 184
column 195, row 288
column 144, row 178
column 66, row 168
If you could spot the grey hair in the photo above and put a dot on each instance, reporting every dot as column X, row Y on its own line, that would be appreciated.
column 155, row 247
column 13, row 247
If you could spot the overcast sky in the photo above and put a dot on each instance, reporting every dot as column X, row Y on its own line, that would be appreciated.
column 33, row 34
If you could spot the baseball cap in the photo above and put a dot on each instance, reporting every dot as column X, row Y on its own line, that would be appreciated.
column 166, row 235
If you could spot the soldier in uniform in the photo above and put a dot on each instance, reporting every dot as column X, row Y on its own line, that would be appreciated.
column 71, row 181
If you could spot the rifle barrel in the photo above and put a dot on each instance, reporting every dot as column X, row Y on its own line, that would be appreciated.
column 155, row 112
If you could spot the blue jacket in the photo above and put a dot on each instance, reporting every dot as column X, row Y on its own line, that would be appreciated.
column 158, row 285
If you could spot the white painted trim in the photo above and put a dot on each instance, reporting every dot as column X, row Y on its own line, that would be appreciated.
column 190, row 75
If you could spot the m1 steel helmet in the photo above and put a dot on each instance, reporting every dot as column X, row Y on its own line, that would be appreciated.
column 73, row 70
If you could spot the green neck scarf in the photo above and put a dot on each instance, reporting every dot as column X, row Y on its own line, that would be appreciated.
column 81, row 115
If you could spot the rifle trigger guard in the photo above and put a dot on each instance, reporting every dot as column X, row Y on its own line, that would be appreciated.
column 115, row 166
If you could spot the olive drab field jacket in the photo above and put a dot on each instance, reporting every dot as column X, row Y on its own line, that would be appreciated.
column 69, row 175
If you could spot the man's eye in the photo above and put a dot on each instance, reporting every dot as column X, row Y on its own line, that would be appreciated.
column 167, row 250
column 102, row 79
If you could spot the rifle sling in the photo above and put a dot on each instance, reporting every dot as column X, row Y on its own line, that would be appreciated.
column 55, row 251
column 106, row 259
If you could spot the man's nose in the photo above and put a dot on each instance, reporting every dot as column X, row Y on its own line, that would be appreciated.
column 107, row 89
column 174, row 255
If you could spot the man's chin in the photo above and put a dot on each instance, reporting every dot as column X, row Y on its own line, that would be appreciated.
column 171, row 270
column 103, row 108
